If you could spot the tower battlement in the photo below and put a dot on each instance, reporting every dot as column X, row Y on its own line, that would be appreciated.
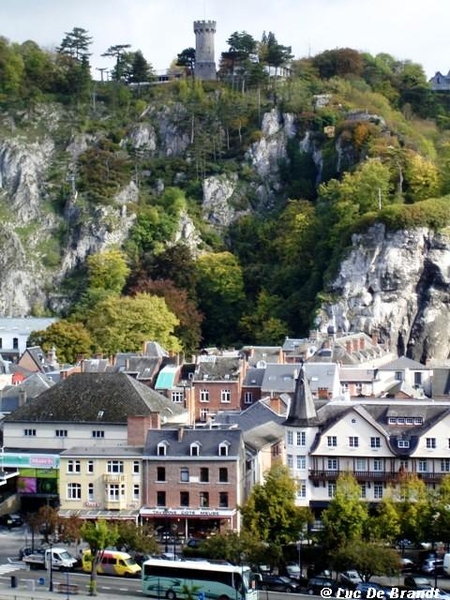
column 205, row 66
column 200, row 26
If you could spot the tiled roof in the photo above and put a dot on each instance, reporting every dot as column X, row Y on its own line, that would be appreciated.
column 95, row 397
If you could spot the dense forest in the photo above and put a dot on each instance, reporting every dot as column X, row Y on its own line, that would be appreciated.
column 383, row 139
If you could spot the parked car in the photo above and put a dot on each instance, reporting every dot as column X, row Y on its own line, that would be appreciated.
column 350, row 578
column 11, row 521
column 316, row 584
column 293, row 570
column 406, row 564
column 433, row 566
column 416, row 582
column 372, row 589
column 278, row 583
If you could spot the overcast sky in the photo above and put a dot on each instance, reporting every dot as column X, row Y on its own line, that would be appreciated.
column 416, row 30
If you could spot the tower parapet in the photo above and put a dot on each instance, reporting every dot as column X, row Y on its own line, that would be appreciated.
column 205, row 66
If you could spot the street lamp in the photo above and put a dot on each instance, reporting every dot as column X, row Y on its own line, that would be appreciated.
column 299, row 547
column 166, row 530
column 50, row 563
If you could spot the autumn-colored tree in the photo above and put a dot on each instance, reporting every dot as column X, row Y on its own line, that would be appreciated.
column 188, row 331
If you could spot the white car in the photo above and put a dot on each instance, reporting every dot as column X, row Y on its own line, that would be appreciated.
column 350, row 578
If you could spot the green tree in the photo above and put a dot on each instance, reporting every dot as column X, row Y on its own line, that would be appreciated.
column 70, row 340
column 272, row 53
column 270, row 513
column 119, row 53
column 98, row 535
column 412, row 503
column 186, row 58
column 137, row 538
column 220, row 293
column 76, row 44
column 367, row 558
column 123, row 324
column 345, row 518
column 107, row 270
column 385, row 524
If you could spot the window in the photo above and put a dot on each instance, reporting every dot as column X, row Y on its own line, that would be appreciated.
column 418, row 420
column 403, row 443
column 290, row 461
column 161, row 474
column 90, row 466
column 184, row 499
column 392, row 420
column 404, row 465
column 136, row 492
column 204, row 475
column 301, row 438
column 113, row 492
column 29, row 432
column 98, row 433
column 422, row 466
column 363, row 490
column 62, row 433
column 225, row 396
column 301, row 462
column 401, row 420
column 223, row 499
column 290, row 438
column 160, row 498
column 223, row 449
column 377, row 491
column 1, row 343
column 204, row 412
column 195, row 449
column 74, row 491
column 353, row 441
column 223, row 475
column 248, row 397
column 204, row 395
column 136, row 467
column 301, row 489
column 409, row 421
column 177, row 396
column 332, row 464
column 331, row 441
column 115, row 466
column 375, row 442
column 445, row 465
column 204, row 499
column 361, row 464
column 331, row 489
column 15, row 343
column 184, row 474
column 73, row 466
column 398, row 375
column 377, row 464
column 162, row 449
column 417, row 378
column 90, row 494
column 430, row 442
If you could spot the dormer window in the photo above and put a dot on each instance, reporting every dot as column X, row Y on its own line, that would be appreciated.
column 223, row 448
column 195, row 449
column 162, row 448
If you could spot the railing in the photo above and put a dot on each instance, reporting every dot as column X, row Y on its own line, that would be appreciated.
column 382, row 476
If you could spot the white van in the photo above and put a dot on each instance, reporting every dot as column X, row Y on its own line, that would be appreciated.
column 447, row 564
column 62, row 560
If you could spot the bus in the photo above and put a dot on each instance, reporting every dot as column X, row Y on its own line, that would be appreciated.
column 202, row 579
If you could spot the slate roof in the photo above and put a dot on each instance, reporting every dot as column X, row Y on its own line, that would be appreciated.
column 279, row 378
column 302, row 412
column 403, row 363
column 95, row 398
column 267, row 433
column 31, row 387
column 179, row 446
column 255, row 415
column 254, row 377
column 255, row 354
column 217, row 368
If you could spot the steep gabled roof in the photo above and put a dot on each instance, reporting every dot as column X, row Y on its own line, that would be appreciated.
column 399, row 364
column 302, row 412
column 178, row 441
column 95, row 398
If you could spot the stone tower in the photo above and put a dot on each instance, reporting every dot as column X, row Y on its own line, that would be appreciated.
column 205, row 66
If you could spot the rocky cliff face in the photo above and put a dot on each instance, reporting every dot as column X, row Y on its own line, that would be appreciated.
column 396, row 284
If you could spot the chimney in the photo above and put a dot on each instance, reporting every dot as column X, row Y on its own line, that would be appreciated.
column 348, row 346
column 22, row 397
column 355, row 346
column 138, row 426
column 362, row 343
column 180, row 433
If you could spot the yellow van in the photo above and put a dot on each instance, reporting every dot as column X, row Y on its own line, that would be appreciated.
column 112, row 562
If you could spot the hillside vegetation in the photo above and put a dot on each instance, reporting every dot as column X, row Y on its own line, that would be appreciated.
column 371, row 143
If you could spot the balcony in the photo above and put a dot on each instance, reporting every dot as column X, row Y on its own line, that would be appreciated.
column 332, row 475
column 113, row 478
